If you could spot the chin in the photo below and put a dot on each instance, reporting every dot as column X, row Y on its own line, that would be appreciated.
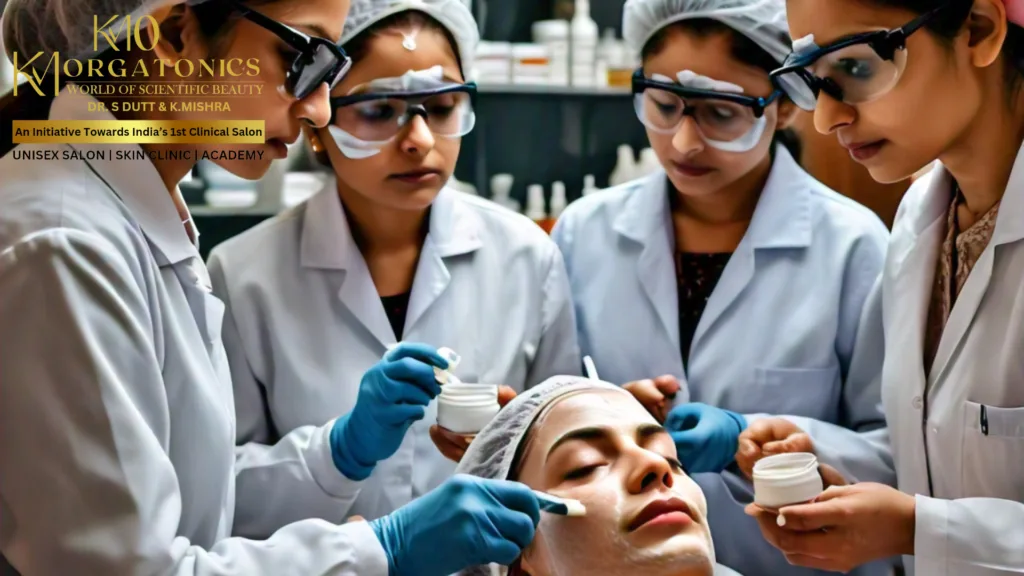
column 891, row 174
column 415, row 200
column 248, row 169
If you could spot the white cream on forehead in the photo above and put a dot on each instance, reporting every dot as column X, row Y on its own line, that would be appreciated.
column 432, row 77
column 805, row 44
column 691, row 79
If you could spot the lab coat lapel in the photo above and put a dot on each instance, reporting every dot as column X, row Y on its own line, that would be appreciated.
column 782, row 219
column 454, row 231
column 1009, row 228
column 646, row 220
column 327, row 244
column 914, row 260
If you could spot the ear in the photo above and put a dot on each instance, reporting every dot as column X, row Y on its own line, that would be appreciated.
column 787, row 114
column 180, row 37
column 986, row 27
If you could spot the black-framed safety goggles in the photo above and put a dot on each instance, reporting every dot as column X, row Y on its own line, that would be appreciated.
column 319, row 60
column 854, row 70
column 756, row 104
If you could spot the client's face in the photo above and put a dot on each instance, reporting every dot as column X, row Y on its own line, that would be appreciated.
column 644, row 515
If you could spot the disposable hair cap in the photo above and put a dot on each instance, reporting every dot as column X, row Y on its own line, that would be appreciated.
column 454, row 15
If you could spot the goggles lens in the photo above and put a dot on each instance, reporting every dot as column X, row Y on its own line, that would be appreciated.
column 313, row 68
column 722, row 124
column 856, row 72
column 381, row 117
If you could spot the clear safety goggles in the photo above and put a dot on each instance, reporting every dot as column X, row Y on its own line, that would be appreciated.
column 363, row 123
column 854, row 70
column 318, row 61
column 728, row 121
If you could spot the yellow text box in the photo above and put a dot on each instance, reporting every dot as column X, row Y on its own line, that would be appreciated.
column 138, row 132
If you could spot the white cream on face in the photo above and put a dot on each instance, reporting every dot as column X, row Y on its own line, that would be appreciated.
column 599, row 542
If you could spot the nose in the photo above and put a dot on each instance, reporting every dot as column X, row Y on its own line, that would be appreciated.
column 316, row 107
column 650, row 471
column 687, row 139
column 418, row 139
column 830, row 114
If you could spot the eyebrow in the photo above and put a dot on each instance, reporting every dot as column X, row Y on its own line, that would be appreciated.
column 592, row 433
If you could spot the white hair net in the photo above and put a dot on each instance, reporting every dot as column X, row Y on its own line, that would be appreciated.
column 763, row 21
column 454, row 15
column 66, row 26
column 491, row 453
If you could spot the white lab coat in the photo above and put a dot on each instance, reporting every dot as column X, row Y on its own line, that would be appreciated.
column 779, row 334
column 305, row 322
column 116, row 417
column 969, row 480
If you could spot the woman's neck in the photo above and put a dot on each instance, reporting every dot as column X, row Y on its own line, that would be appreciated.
column 982, row 158
column 717, row 222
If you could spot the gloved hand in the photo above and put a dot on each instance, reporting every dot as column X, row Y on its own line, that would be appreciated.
column 392, row 395
column 465, row 522
column 706, row 437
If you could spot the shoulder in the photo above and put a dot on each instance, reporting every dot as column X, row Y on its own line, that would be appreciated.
column 43, row 201
column 264, row 247
column 504, row 230
column 595, row 211
column 846, row 216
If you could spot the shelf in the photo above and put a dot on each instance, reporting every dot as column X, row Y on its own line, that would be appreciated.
column 549, row 90
column 208, row 211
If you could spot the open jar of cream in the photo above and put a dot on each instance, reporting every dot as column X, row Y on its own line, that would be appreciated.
column 466, row 408
column 786, row 479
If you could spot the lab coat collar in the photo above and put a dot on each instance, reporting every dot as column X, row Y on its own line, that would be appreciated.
column 327, row 241
column 782, row 218
column 1010, row 224
column 136, row 182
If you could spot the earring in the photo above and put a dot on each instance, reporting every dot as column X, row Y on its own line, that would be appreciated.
column 314, row 141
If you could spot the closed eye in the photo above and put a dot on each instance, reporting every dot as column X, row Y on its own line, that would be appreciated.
column 582, row 473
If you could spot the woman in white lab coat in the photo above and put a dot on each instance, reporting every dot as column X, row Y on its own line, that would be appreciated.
column 117, row 451
column 910, row 81
column 733, row 277
column 387, row 253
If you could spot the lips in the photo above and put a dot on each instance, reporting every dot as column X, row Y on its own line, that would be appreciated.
column 417, row 176
column 691, row 170
column 862, row 151
column 659, row 509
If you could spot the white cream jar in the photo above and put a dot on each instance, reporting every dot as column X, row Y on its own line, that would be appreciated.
column 786, row 479
column 466, row 408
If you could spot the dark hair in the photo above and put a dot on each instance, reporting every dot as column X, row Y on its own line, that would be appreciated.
column 743, row 49
column 216, row 20
column 358, row 47
column 949, row 21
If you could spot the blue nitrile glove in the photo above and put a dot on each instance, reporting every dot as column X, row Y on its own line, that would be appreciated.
column 706, row 437
column 392, row 395
column 467, row 521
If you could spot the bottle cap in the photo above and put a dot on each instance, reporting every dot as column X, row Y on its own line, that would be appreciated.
column 786, row 479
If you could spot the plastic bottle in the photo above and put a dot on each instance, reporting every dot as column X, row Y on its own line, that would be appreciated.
column 501, row 191
column 583, row 36
column 607, row 55
column 535, row 205
column 649, row 163
column 589, row 184
column 558, row 203
column 625, row 166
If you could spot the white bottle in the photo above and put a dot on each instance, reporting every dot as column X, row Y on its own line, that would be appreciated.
column 558, row 200
column 583, row 36
column 625, row 166
column 589, row 184
column 607, row 55
column 649, row 163
column 501, row 191
column 535, row 203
